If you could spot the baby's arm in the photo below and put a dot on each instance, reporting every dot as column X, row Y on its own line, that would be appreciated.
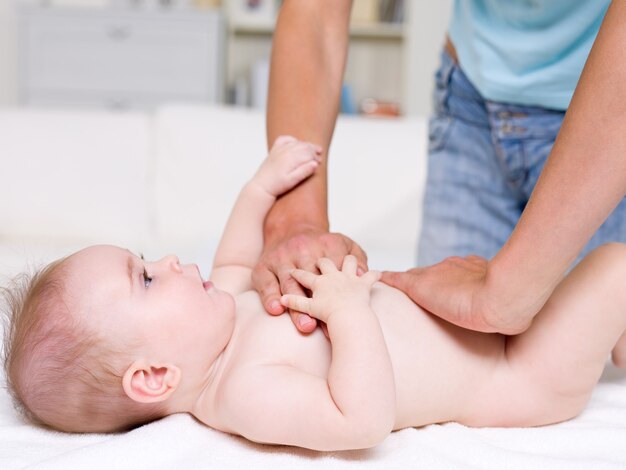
column 355, row 406
column 289, row 162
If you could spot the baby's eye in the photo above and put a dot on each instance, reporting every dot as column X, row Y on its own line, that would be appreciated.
column 147, row 280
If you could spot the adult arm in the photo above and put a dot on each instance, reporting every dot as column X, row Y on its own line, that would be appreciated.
column 308, row 60
column 582, row 182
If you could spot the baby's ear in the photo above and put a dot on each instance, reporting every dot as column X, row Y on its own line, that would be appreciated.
column 150, row 383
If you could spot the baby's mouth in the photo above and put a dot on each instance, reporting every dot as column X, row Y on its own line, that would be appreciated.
column 207, row 285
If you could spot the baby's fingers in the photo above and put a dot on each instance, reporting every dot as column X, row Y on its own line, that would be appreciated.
column 283, row 139
column 296, row 302
column 301, row 152
column 304, row 170
column 349, row 264
column 371, row 277
column 326, row 266
column 306, row 278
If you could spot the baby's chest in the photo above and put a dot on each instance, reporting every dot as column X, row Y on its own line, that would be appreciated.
column 265, row 339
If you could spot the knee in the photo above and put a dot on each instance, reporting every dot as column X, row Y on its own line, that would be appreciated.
column 551, row 408
column 566, row 409
column 618, row 357
column 607, row 265
column 613, row 253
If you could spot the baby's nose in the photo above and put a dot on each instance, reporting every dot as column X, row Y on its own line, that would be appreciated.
column 172, row 262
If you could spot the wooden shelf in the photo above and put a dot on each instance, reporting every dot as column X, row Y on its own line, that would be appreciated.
column 393, row 31
column 378, row 30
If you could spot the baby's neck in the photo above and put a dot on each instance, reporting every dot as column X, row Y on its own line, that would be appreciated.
column 203, row 404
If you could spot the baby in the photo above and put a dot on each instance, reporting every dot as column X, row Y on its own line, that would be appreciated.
column 104, row 341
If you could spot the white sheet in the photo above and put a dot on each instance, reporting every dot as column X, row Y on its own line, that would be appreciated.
column 594, row 440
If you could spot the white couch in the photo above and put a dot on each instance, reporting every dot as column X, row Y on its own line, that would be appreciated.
column 165, row 183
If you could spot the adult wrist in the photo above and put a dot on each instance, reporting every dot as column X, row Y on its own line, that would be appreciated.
column 512, row 295
column 282, row 223
column 518, row 277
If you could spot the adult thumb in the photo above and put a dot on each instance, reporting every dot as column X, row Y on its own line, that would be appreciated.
column 395, row 279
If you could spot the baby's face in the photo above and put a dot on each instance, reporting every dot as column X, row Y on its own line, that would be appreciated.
column 162, row 307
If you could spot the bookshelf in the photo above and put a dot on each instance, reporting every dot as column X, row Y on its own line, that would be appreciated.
column 389, row 61
column 375, row 67
column 361, row 31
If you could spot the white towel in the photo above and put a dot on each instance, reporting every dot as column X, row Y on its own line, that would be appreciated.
column 594, row 440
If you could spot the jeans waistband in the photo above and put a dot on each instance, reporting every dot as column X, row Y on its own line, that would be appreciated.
column 456, row 96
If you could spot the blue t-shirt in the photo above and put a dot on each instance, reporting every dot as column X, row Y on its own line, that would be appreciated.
column 528, row 52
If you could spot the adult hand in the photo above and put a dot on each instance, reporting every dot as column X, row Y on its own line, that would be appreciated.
column 465, row 292
column 299, row 249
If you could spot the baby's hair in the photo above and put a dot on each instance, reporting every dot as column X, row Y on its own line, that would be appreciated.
column 59, row 374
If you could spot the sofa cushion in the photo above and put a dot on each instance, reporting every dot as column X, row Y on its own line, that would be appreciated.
column 376, row 171
column 75, row 175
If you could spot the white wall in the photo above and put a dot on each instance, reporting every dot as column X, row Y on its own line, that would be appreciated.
column 427, row 22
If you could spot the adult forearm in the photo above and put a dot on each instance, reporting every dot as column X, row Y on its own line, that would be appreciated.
column 585, row 175
column 308, row 59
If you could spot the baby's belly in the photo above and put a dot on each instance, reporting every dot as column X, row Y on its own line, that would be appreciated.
column 438, row 367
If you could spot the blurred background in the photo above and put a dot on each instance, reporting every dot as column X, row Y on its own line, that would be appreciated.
column 136, row 122
column 138, row 54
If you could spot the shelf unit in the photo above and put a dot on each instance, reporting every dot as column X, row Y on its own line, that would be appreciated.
column 387, row 61
column 119, row 58
column 375, row 68
column 361, row 31
column 391, row 62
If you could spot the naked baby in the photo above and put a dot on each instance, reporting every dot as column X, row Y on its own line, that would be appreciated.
column 104, row 340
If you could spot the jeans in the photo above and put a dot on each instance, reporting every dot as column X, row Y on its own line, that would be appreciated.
column 484, row 159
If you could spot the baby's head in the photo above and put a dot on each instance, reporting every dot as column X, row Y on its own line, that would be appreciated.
column 104, row 341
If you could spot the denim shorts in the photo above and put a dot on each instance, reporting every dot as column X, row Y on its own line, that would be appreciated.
column 484, row 159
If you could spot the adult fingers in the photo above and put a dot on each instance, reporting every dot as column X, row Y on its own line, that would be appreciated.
column 476, row 260
column 302, row 321
column 309, row 265
column 266, row 283
column 398, row 280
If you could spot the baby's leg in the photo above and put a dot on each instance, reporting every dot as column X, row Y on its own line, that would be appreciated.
column 619, row 352
column 549, row 371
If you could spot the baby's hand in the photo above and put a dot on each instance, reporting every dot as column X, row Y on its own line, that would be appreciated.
column 333, row 291
column 289, row 162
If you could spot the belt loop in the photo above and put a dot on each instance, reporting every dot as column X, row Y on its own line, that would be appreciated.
column 447, row 67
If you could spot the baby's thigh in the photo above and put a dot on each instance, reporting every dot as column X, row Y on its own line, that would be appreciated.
column 549, row 371
column 517, row 397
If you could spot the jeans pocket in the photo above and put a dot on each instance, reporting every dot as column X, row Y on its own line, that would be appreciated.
column 438, row 131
